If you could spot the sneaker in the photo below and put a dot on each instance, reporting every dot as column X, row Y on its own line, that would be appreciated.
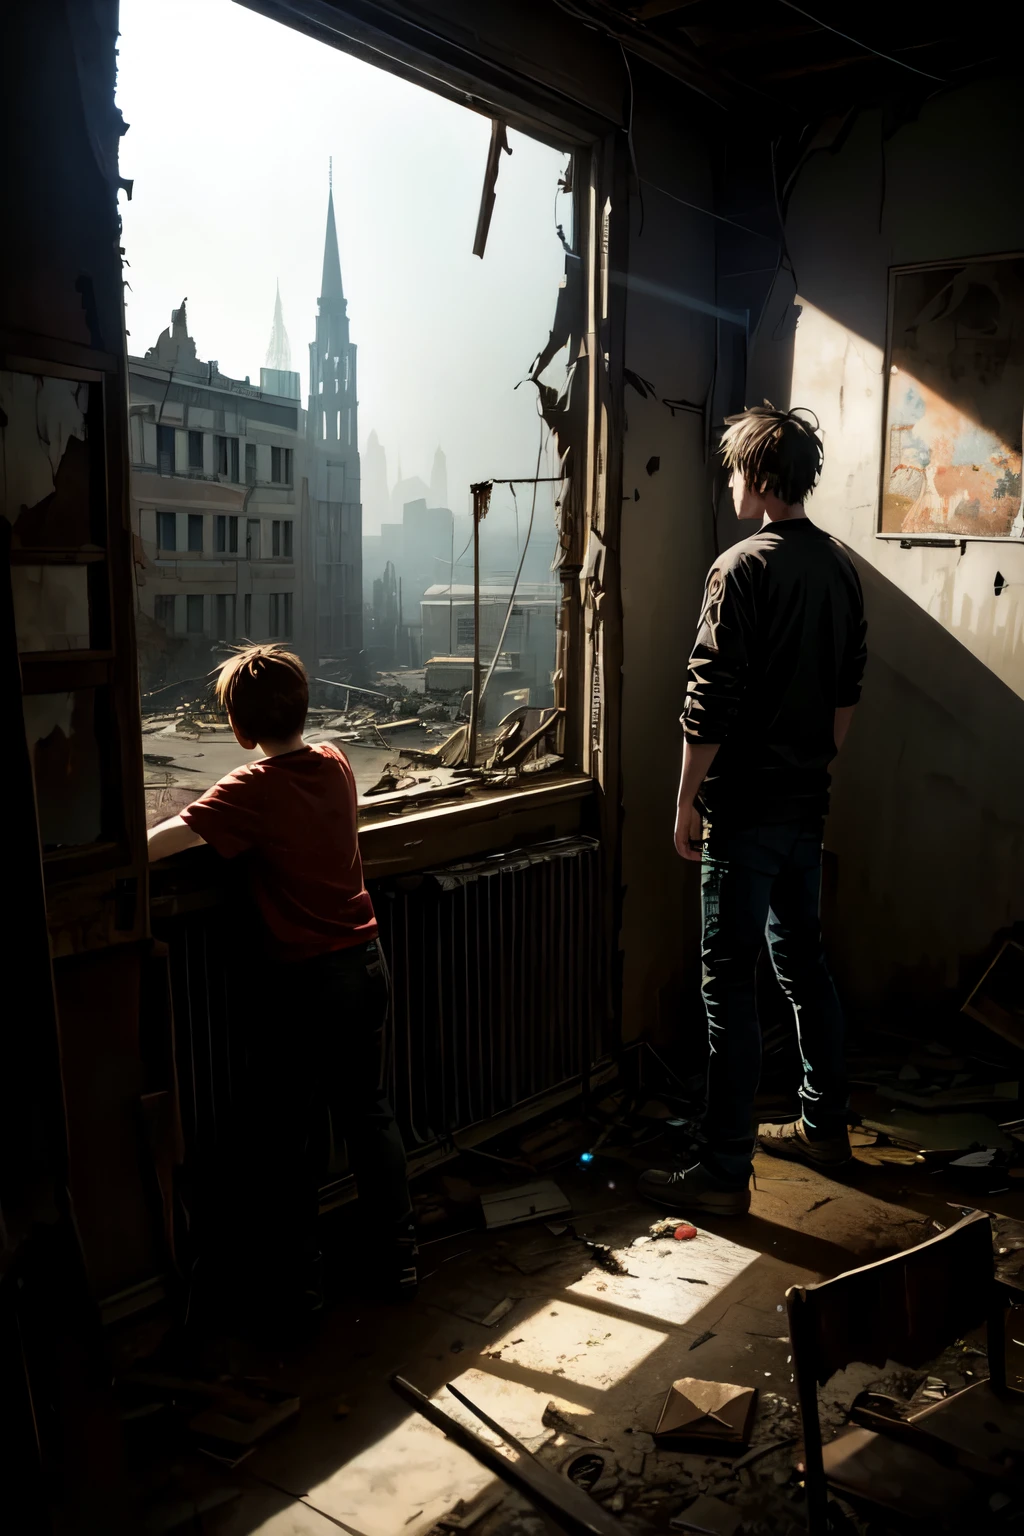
column 791, row 1141
column 693, row 1189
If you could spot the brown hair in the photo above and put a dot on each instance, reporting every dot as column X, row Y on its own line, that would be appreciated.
column 775, row 451
column 265, row 691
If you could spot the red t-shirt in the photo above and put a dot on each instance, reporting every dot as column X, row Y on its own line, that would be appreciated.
column 296, row 816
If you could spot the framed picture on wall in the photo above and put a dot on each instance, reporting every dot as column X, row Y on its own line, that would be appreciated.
column 954, row 408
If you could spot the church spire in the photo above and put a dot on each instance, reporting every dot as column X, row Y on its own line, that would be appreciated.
column 331, row 291
column 279, row 352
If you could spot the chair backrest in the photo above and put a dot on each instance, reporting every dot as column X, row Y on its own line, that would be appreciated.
column 907, row 1308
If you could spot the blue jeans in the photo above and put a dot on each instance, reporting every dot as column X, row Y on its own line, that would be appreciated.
column 764, row 882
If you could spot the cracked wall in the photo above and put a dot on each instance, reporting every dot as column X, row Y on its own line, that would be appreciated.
column 927, row 818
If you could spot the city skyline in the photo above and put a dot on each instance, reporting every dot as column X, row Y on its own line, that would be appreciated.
column 228, row 208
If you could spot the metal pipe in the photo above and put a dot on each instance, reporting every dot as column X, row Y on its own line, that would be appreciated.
column 481, row 501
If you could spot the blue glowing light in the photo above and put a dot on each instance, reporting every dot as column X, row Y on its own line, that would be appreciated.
column 586, row 1157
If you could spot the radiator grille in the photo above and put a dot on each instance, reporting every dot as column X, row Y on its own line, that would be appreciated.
column 497, row 984
column 498, row 979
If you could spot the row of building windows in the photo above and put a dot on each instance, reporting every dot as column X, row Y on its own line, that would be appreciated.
column 224, row 615
column 226, row 459
column 225, row 535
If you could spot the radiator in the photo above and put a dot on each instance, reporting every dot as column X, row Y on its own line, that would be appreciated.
column 498, row 993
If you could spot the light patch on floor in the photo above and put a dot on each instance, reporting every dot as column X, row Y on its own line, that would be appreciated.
column 668, row 1281
column 579, row 1351
column 562, row 1350
column 373, row 1491
column 804, row 1200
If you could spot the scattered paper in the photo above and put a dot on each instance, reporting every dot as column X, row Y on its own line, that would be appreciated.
column 528, row 1202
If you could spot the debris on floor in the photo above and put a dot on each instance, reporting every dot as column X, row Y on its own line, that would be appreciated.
column 227, row 1416
column 707, row 1514
column 998, row 999
column 528, row 1202
column 709, row 1414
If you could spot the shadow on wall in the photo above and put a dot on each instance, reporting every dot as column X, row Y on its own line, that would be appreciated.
column 927, row 811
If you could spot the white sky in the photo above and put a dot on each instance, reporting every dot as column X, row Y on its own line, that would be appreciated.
column 232, row 119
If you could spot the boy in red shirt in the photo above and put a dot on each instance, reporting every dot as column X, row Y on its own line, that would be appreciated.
column 319, row 1029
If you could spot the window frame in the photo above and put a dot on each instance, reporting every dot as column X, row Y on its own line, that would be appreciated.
column 588, row 638
column 164, row 520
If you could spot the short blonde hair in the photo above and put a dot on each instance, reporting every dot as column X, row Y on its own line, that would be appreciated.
column 265, row 691
column 774, row 451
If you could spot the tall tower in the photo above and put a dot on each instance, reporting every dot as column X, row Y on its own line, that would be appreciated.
column 331, row 423
column 279, row 352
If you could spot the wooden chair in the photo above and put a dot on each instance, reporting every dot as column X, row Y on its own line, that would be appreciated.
column 944, row 1463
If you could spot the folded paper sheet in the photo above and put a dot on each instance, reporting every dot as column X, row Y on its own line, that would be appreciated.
column 706, row 1411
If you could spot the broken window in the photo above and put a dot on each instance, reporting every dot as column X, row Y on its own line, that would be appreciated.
column 51, row 607
column 65, row 751
column 386, row 582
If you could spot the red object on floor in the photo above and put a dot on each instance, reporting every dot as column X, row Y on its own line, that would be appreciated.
column 683, row 1233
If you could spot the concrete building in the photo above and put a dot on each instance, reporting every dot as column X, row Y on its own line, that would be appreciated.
column 529, row 643
column 332, row 509
column 217, row 479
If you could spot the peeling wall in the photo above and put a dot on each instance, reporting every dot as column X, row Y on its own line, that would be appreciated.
column 928, row 816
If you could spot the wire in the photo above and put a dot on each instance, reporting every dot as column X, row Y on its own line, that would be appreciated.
column 629, row 138
column 519, row 572
column 758, row 234
column 901, row 63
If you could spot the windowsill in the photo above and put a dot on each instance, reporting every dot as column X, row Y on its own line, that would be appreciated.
column 482, row 821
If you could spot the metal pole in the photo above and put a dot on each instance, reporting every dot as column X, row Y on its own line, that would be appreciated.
column 481, row 501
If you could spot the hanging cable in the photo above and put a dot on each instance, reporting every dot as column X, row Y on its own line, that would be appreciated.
column 826, row 27
column 519, row 572
column 629, row 139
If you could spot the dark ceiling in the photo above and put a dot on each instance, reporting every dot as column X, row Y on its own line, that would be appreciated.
column 806, row 61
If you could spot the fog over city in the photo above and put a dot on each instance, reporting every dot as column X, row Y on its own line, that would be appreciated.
column 234, row 120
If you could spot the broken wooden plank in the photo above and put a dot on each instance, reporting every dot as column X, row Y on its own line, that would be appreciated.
column 571, row 1509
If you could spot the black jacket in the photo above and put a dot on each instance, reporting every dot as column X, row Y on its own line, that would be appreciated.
column 780, row 647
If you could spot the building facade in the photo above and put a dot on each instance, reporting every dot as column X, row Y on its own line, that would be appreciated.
column 333, row 511
column 218, row 483
column 528, row 647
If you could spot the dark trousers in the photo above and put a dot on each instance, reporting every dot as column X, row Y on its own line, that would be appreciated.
column 764, row 883
column 315, row 1047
